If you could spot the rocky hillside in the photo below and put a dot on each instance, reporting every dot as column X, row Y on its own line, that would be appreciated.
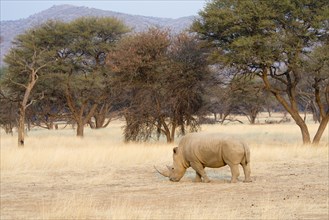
column 9, row 29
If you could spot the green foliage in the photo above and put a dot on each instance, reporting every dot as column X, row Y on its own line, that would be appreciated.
column 75, row 55
column 270, row 39
column 82, row 64
column 3, row 71
column 256, row 33
column 8, row 107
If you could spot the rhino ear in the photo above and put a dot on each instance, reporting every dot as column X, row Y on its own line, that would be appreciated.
column 175, row 150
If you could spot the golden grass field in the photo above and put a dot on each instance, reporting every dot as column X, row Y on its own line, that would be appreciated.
column 59, row 176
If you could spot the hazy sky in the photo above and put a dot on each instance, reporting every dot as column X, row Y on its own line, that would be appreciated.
column 12, row 9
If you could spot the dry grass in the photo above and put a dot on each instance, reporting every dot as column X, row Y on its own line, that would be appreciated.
column 58, row 176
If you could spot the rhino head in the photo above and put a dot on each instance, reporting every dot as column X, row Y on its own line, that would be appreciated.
column 177, row 171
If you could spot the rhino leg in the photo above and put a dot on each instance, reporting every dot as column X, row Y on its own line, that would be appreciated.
column 198, row 167
column 197, row 178
column 246, row 170
column 235, row 172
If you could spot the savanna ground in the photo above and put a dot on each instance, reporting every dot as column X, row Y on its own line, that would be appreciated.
column 58, row 176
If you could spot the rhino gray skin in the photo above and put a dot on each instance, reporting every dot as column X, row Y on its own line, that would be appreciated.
column 199, row 150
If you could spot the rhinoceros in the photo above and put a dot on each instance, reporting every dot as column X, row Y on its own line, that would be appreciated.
column 199, row 150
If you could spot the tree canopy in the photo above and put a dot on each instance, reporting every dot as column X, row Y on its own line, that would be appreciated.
column 65, row 62
column 161, row 81
column 269, row 39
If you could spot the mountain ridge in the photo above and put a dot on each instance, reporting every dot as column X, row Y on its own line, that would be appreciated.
column 65, row 12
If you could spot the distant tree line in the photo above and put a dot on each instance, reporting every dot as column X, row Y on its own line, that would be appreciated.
column 240, row 57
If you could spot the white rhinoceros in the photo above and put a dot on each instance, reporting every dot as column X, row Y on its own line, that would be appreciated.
column 198, row 150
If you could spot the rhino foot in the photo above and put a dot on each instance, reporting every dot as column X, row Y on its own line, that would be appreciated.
column 234, row 181
column 206, row 180
column 197, row 180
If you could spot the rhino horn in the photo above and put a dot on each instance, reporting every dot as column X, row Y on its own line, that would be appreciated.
column 163, row 173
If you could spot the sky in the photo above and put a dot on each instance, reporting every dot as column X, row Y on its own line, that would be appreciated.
column 13, row 10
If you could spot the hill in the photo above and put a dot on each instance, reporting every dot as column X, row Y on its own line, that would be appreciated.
column 10, row 29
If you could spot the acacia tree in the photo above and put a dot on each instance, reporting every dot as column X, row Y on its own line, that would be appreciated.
column 77, row 81
column 26, row 61
column 136, row 65
column 186, row 81
column 87, row 82
column 160, row 82
column 267, row 39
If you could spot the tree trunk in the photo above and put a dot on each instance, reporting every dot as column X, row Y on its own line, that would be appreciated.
column 80, row 128
column 168, row 136
column 166, row 130
column 100, row 115
column 322, row 127
column 21, row 126
column 323, row 115
column 291, row 109
column 224, row 116
column 99, row 120
column 78, row 111
column 50, row 125
column 253, row 119
column 23, row 105
column 252, row 116
column 92, row 124
column 305, row 134
column 269, row 112
column 173, row 131
column 302, row 125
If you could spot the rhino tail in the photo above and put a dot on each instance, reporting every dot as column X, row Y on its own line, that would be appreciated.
column 246, row 153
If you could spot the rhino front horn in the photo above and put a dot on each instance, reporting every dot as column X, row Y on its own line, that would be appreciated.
column 163, row 173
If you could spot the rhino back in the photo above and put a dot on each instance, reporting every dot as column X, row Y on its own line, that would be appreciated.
column 211, row 150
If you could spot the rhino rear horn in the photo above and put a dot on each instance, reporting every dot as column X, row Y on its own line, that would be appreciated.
column 163, row 173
